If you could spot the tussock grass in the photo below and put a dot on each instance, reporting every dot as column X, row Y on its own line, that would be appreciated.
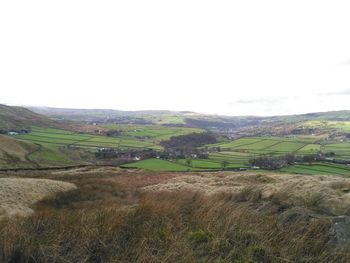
column 18, row 194
column 165, row 227
column 326, row 193
column 248, row 193
column 115, row 217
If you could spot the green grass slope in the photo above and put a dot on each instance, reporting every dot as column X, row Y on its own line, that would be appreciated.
column 158, row 165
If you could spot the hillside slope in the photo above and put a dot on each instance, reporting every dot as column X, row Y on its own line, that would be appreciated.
column 19, row 118
column 16, row 118
column 15, row 153
column 97, row 115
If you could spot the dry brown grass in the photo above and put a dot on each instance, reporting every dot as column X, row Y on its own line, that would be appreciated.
column 13, row 152
column 307, row 189
column 14, row 147
column 165, row 227
column 135, row 216
column 18, row 194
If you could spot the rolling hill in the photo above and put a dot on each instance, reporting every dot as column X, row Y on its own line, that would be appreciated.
column 12, row 117
column 17, row 118
column 181, row 118
column 103, row 115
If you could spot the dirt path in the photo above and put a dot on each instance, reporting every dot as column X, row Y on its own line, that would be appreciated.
column 27, row 157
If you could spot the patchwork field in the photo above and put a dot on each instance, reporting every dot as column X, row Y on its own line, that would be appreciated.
column 62, row 138
column 51, row 147
column 236, row 154
column 132, row 136
column 339, row 149
column 246, row 148
column 318, row 169
column 60, row 147
column 153, row 133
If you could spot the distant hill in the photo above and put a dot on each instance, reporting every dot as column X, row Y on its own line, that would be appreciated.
column 326, row 116
column 18, row 118
column 182, row 118
column 164, row 117
column 96, row 114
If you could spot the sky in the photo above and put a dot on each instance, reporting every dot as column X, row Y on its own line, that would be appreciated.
column 248, row 57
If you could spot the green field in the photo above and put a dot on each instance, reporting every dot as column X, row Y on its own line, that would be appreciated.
column 238, row 153
column 55, row 144
column 241, row 150
column 152, row 133
column 53, row 148
column 158, row 165
column 236, row 159
column 310, row 148
column 210, row 164
column 319, row 169
column 341, row 125
column 280, row 146
column 64, row 138
column 341, row 150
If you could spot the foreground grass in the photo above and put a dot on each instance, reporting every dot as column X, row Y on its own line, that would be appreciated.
column 164, row 228
column 109, row 217
column 18, row 194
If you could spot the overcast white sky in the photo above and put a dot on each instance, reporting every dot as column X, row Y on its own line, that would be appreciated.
column 227, row 57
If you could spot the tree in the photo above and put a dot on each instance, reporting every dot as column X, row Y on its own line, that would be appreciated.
column 268, row 162
column 224, row 164
column 309, row 159
column 189, row 162
column 290, row 158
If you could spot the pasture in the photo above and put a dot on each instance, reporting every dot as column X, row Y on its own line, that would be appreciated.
column 59, row 147
column 158, row 165
column 54, row 144
column 239, row 151
column 237, row 154
column 152, row 133
column 280, row 146
column 66, row 138
column 341, row 150
column 318, row 169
